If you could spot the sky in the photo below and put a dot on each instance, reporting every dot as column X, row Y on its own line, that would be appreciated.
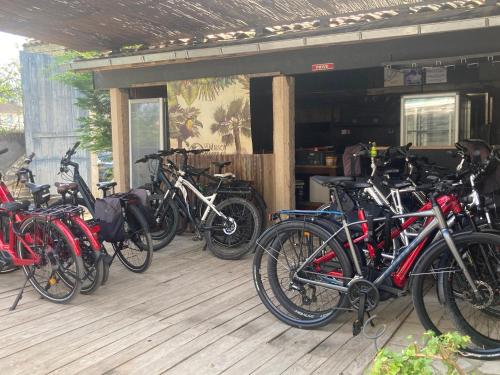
column 10, row 46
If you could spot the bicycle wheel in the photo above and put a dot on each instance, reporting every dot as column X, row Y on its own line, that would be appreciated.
column 280, row 251
column 439, row 282
column 92, row 263
column 233, row 241
column 166, row 225
column 136, row 252
column 58, row 275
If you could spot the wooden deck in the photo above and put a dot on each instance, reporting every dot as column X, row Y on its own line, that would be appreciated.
column 190, row 313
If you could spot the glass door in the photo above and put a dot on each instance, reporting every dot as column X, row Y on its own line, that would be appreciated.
column 430, row 120
column 146, row 125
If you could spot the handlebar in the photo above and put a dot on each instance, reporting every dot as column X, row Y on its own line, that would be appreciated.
column 3, row 151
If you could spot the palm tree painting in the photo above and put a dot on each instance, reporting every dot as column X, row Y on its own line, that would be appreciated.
column 184, row 124
column 232, row 123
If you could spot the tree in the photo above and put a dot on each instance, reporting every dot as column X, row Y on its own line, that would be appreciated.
column 10, row 84
column 232, row 123
column 184, row 123
column 95, row 128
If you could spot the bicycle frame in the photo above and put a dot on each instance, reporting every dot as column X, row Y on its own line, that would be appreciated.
column 9, row 245
column 406, row 257
column 181, row 184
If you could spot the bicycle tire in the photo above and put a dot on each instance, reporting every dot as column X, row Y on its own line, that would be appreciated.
column 243, row 242
column 432, row 257
column 164, row 236
column 288, row 313
column 137, row 225
column 68, row 252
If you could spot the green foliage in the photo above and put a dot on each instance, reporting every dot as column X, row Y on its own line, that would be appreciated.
column 416, row 359
column 10, row 84
column 95, row 128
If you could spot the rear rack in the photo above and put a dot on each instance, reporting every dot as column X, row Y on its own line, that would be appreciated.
column 57, row 212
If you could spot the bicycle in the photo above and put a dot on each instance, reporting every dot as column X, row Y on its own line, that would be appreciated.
column 96, row 268
column 42, row 245
column 230, row 227
column 312, row 275
column 135, row 250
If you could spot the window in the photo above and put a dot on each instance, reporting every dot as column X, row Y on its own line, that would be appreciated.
column 146, row 135
column 430, row 120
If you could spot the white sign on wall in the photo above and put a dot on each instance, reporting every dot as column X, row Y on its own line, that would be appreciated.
column 436, row 75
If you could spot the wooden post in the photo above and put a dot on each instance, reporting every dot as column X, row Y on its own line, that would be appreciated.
column 94, row 174
column 120, row 136
column 284, row 141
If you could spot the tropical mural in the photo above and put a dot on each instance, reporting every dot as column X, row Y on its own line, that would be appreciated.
column 212, row 113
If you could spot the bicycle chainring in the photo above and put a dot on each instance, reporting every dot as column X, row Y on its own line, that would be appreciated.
column 358, row 286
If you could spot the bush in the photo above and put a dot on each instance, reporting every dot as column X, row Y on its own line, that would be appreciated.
column 416, row 359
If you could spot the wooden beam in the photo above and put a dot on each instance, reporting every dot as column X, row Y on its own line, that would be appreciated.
column 120, row 135
column 284, row 141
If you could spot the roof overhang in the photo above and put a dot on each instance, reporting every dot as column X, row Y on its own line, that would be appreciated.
column 183, row 56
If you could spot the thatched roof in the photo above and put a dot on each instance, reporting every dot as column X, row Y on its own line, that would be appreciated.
column 110, row 24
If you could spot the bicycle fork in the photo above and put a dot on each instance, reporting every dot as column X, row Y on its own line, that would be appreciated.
column 445, row 232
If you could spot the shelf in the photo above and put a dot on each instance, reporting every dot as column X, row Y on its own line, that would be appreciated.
column 316, row 169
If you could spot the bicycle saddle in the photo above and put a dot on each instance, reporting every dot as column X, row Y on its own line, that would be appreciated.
column 34, row 188
column 196, row 171
column 397, row 184
column 331, row 180
column 106, row 185
column 63, row 187
column 224, row 176
column 14, row 206
column 219, row 164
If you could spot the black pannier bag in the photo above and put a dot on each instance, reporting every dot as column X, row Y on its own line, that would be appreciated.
column 356, row 166
column 477, row 151
column 145, row 206
column 108, row 212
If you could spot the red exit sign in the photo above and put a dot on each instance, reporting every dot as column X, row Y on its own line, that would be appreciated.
column 323, row 67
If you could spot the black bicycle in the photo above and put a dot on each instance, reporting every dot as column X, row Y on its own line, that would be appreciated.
column 230, row 226
column 135, row 249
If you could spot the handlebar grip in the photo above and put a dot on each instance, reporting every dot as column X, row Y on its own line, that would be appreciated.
column 73, row 149
column 142, row 160
column 3, row 151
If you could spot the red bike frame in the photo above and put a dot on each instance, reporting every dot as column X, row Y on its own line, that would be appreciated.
column 447, row 204
column 8, row 245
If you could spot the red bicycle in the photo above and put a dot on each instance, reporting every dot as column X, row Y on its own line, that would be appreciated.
column 42, row 245
column 306, row 275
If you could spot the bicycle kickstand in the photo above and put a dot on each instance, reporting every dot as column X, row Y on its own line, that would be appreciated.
column 20, row 294
column 357, row 326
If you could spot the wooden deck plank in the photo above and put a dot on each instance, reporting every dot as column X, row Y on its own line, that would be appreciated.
column 190, row 313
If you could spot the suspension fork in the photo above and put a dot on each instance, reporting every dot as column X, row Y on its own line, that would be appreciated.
column 445, row 232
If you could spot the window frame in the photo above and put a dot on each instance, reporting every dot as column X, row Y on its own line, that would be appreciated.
column 454, row 130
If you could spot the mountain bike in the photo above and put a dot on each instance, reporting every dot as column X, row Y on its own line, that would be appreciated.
column 230, row 227
column 135, row 250
column 41, row 244
column 306, row 276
